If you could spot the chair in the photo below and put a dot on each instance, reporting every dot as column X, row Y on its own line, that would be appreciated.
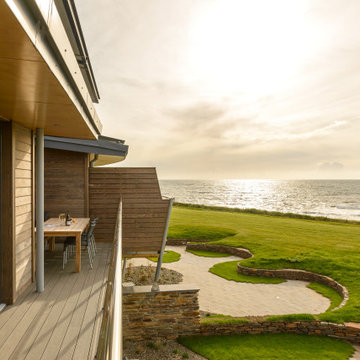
column 87, row 240
column 94, row 220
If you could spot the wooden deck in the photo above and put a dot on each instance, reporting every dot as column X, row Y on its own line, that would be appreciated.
column 64, row 321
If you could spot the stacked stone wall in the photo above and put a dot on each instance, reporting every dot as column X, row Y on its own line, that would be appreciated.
column 173, row 311
column 168, row 313
column 176, row 242
column 294, row 274
column 243, row 253
column 347, row 332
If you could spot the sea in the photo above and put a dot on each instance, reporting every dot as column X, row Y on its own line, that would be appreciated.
column 330, row 198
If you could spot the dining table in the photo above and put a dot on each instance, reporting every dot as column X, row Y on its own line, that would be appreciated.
column 55, row 227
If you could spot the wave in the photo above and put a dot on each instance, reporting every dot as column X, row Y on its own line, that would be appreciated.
column 343, row 207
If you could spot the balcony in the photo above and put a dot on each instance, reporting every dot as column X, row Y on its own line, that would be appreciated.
column 64, row 321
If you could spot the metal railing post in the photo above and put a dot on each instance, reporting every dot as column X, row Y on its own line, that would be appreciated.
column 155, row 286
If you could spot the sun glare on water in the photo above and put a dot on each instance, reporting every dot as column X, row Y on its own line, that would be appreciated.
column 251, row 46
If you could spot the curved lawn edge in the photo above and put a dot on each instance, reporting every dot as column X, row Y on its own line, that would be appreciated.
column 302, row 275
column 289, row 274
column 347, row 332
column 240, row 252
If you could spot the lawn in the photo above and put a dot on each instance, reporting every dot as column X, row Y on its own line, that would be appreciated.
column 227, row 270
column 199, row 232
column 169, row 257
column 325, row 247
column 269, row 347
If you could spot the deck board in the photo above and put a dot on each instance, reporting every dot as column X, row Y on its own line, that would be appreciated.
column 82, row 350
column 62, row 322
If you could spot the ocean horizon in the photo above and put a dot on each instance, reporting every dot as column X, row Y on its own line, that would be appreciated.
column 330, row 198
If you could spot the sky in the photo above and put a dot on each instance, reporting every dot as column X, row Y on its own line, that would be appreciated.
column 230, row 89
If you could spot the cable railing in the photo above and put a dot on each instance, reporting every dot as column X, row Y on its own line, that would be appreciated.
column 110, row 338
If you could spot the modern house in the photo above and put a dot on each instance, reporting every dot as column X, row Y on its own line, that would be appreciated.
column 51, row 143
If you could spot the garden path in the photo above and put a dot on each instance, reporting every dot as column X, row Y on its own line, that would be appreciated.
column 218, row 295
column 356, row 355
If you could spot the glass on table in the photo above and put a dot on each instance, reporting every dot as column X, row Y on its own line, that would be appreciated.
column 62, row 218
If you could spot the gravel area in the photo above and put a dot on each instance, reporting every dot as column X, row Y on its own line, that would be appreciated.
column 163, row 350
column 145, row 274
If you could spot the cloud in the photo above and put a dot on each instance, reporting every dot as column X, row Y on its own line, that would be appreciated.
column 131, row 82
column 197, row 127
column 330, row 166
column 198, row 113
column 199, row 122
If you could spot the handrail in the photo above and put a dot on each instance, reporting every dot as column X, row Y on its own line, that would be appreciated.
column 110, row 338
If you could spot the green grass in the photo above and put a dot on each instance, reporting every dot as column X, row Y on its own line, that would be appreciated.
column 291, row 317
column 207, row 253
column 269, row 347
column 198, row 233
column 169, row 257
column 324, row 247
column 265, row 212
column 334, row 297
column 227, row 270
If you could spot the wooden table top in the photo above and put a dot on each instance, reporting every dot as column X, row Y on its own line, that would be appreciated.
column 53, row 225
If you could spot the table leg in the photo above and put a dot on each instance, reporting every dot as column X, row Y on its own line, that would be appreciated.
column 78, row 253
column 52, row 243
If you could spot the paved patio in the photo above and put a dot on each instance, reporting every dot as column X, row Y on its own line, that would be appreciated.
column 218, row 295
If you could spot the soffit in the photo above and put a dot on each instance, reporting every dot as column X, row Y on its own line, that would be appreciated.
column 30, row 94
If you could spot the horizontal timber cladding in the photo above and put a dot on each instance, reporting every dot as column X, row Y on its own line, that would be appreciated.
column 23, row 214
column 144, row 210
column 65, row 182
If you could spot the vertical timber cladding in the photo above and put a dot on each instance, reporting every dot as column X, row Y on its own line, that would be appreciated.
column 144, row 210
column 23, row 212
column 65, row 183
column 7, row 214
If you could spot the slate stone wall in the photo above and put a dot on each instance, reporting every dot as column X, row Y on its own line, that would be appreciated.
column 348, row 332
column 168, row 313
column 243, row 253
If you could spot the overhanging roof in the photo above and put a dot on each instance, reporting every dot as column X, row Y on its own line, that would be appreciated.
column 69, row 16
column 42, row 85
column 109, row 150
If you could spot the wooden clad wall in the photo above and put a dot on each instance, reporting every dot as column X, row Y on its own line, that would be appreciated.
column 66, row 179
column 144, row 210
column 7, row 213
column 23, row 213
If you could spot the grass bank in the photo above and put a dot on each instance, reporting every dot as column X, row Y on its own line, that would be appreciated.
column 265, row 212
column 329, row 247
column 269, row 346
column 169, row 257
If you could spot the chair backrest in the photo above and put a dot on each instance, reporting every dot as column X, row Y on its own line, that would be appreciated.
column 90, row 231
column 94, row 220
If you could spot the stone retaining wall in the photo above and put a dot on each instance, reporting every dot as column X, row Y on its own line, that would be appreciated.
column 176, row 242
column 168, row 313
column 243, row 253
column 294, row 274
column 179, row 242
column 347, row 332
column 174, row 310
